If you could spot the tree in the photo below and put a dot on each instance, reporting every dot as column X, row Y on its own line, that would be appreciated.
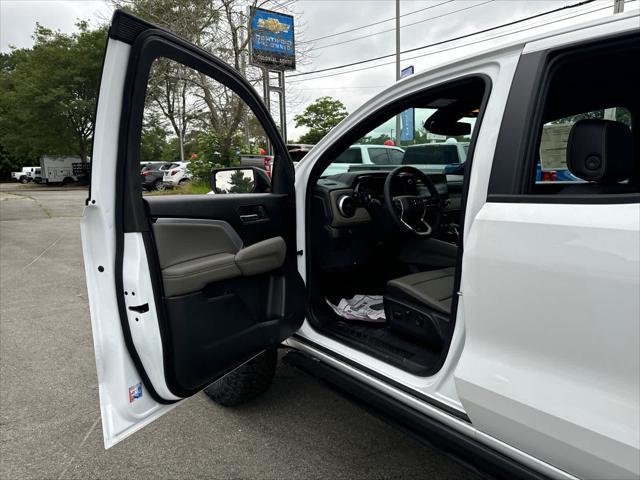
column 240, row 183
column 320, row 116
column 47, row 104
column 187, row 97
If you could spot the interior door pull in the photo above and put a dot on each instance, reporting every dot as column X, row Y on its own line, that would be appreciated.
column 249, row 217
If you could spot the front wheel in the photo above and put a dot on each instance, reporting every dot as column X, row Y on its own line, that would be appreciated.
column 246, row 382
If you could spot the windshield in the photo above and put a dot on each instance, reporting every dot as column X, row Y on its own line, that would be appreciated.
column 380, row 149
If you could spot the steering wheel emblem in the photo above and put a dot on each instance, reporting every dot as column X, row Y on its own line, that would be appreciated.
column 409, row 212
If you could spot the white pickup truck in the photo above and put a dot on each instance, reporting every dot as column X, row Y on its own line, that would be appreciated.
column 26, row 175
column 516, row 344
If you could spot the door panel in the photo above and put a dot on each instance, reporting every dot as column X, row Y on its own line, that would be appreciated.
column 227, row 292
column 551, row 362
column 183, row 288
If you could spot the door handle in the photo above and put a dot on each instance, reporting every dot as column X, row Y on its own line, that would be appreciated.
column 252, row 213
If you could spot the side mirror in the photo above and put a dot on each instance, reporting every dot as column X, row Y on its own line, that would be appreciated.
column 239, row 180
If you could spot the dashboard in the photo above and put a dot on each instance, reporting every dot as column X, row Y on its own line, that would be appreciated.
column 346, row 199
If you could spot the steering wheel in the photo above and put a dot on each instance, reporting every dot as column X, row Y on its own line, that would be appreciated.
column 415, row 214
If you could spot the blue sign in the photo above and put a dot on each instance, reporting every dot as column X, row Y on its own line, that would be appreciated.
column 408, row 117
column 272, row 41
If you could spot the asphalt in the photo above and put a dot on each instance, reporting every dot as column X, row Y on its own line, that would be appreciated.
column 49, row 412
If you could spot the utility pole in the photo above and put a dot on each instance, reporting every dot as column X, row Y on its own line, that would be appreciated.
column 398, row 129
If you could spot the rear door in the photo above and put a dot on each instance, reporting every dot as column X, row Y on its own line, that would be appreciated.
column 551, row 273
column 184, row 287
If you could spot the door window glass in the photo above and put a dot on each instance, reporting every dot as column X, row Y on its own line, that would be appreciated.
column 552, row 166
column 192, row 125
column 586, row 140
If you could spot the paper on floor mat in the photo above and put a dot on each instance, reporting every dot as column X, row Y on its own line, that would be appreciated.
column 366, row 308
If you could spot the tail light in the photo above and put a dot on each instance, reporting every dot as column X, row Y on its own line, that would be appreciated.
column 267, row 165
column 173, row 172
column 145, row 174
column 549, row 176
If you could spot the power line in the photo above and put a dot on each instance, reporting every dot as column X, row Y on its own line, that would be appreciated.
column 584, row 2
column 375, row 23
column 455, row 46
column 403, row 26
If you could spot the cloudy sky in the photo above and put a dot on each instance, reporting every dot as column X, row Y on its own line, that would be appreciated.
column 422, row 22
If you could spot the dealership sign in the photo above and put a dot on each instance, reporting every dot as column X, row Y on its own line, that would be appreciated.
column 271, row 37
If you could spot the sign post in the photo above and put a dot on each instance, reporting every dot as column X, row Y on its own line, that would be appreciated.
column 407, row 133
column 272, row 47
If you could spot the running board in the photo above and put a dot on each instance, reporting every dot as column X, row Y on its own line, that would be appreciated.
column 465, row 449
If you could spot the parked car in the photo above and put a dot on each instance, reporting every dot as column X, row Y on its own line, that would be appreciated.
column 176, row 175
column 152, row 175
column 24, row 175
column 515, row 346
column 362, row 156
column 433, row 157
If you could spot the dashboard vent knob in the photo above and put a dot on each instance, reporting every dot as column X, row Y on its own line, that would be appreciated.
column 346, row 206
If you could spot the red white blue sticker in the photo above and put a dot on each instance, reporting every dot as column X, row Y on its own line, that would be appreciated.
column 135, row 392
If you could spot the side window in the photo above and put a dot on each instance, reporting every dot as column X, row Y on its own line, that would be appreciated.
column 378, row 156
column 395, row 156
column 552, row 166
column 192, row 125
column 352, row 155
column 586, row 140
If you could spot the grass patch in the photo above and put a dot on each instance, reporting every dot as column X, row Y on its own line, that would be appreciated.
column 187, row 188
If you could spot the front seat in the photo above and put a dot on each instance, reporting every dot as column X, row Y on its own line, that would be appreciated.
column 419, row 305
column 600, row 152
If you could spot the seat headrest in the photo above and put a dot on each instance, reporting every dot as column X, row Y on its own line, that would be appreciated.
column 600, row 151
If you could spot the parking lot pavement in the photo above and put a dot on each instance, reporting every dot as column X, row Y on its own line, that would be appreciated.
column 49, row 413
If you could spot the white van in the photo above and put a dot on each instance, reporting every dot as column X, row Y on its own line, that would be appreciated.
column 515, row 341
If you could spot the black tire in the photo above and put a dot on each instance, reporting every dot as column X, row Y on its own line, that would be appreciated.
column 24, row 180
column 159, row 185
column 246, row 382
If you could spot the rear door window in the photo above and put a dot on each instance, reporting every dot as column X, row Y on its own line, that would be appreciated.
column 352, row 155
column 378, row 156
column 437, row 154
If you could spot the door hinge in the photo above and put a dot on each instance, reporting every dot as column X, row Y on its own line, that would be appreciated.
column 300, row 252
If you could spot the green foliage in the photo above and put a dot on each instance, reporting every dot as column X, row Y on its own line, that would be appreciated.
column 186, row 188
column 14, row 162
column 240, row 183
column 320, row 117
column 212, row 153
column 48, row 93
